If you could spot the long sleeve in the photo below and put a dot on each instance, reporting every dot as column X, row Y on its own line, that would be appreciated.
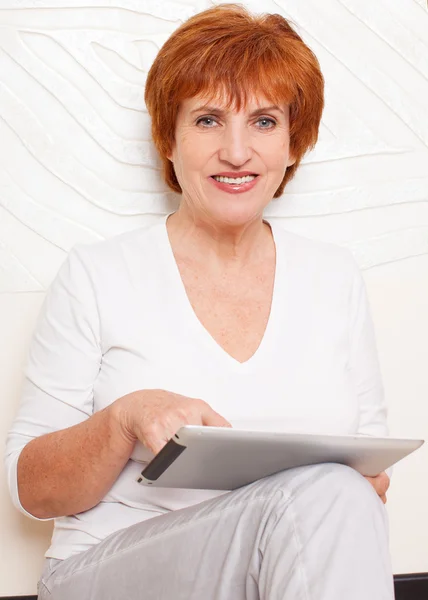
column 63, row 363
column 364, row 363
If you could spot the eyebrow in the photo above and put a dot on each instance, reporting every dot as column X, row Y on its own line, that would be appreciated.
column 219, row 111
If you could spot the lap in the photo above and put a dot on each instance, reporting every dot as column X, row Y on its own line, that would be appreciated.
column 192, row 546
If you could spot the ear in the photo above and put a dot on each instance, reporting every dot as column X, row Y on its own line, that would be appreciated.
column 291, row 160
column 170, row 155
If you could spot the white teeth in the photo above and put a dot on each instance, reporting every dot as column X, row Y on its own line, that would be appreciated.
column 236, row 181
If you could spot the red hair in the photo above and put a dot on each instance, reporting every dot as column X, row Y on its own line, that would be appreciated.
column 227, row 50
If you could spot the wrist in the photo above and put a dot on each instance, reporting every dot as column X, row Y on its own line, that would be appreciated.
column 119, row 421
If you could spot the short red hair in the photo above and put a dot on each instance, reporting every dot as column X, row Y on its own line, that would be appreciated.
column 227, row 50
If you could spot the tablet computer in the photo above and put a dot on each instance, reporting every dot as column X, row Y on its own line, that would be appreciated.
column 222, row 458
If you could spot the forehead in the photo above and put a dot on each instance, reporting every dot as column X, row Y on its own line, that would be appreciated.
column 227, row 103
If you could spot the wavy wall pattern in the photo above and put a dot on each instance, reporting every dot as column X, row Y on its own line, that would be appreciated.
column 76, row 160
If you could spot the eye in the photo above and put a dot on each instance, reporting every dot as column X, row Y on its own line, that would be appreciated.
column 267, row 123
column 208, row 122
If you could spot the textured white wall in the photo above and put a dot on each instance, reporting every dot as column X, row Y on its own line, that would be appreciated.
column 76, row 165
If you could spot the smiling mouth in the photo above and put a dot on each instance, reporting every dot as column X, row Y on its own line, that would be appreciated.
column 234, row 180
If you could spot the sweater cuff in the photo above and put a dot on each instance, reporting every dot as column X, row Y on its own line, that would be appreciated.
column 12, row 477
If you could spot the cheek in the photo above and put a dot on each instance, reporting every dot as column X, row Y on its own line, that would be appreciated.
column 276, row 153
column 193, row 154
column 277, row 161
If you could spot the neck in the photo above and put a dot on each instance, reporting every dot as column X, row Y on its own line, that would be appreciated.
column 194, row 236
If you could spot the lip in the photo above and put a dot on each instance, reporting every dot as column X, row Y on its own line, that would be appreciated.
column 234, row 189
column 234, row 174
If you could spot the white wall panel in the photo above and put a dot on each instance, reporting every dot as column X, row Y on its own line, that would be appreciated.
column 77, row 165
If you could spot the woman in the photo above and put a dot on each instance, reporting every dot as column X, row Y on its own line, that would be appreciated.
column 212, row 317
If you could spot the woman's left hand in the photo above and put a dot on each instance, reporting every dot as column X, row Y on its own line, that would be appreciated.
column 380, row 484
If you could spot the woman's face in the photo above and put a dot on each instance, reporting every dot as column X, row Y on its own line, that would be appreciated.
column 212, row 142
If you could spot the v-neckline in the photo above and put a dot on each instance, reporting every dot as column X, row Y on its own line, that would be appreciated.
column 183, row 302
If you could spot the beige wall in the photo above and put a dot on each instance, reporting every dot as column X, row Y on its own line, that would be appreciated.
column 23, row 541
column 399, row 299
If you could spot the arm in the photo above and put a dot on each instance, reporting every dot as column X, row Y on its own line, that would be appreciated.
column 364, row 363
column 63, row 363
column 365, row 371
column 69, row 471
column 61, row 458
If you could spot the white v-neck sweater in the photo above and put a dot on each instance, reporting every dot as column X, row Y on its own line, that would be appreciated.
column 117, row 319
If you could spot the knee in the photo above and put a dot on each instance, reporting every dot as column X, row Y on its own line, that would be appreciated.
column 332, row 496
column 327, row 484
column 344, row 483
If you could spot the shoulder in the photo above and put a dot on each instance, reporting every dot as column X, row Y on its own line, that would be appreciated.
column 315, row 255
column 114, row 246
column 107, row 266
column 319, row 269
column 120, row 252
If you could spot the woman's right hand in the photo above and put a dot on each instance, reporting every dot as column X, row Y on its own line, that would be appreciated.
column 154, row 416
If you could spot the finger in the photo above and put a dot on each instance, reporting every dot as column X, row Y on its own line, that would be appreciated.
column 155, row 444
column 212, row 419
column 374, row 483
column 380, row 483
column 383, row 498
column 157, row 438
column 386, row 481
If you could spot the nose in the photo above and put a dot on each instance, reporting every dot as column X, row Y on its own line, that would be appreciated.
column 235, row 145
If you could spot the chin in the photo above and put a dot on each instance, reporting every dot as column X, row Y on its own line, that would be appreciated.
column 236, row 214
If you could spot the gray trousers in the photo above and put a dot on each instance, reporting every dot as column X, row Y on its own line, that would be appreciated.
column 311, row 533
